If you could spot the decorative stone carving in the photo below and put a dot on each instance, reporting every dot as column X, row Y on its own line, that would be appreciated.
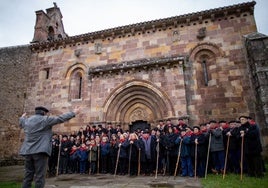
column 202, row 32
column 176, row 36
column 138, row 114
column 98, row 48
column 77, row 52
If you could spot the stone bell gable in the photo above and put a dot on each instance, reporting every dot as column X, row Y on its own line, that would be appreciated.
column 48, row 25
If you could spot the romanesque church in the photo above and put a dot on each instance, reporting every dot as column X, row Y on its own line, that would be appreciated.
column 208, row 65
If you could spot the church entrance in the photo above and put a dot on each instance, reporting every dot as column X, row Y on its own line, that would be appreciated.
column 139, row 124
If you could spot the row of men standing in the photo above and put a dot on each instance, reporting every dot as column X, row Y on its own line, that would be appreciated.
column 167, row 149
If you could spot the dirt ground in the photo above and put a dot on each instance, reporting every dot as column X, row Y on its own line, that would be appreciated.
column 15, row 174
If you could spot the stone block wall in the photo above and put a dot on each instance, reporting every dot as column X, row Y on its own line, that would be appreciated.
column 14, row 63
column 257, row 53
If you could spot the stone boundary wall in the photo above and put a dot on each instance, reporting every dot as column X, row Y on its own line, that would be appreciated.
column 14, row 63
column 257, row 45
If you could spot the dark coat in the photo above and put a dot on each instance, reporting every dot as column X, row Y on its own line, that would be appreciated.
column 82, row 154
column 185, row 145
column 124, row 149
column 65, row 148
column 216, row 143
column 152, row 149
column 133, row 149
column 168, row 142
column 252, row 143
column 105, row 149
column 201, row 146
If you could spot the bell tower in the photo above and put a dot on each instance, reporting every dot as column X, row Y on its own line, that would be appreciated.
column 48, row 26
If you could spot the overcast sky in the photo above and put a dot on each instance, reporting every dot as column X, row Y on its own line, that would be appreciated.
column 17, row 17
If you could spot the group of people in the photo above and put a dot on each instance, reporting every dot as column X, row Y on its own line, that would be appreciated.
column 212, row 147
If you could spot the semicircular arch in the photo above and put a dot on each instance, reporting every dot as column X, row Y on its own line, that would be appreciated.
column 140, row 93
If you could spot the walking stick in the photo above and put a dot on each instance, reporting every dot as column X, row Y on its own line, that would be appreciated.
column 178, row 159
column 139, row 162
column 242, row 154
column 166, row 163
column 226, row 157
column 129, row 159
column 157, row 159
column 98, row 160
column 209, row 140
column 90, row 151
column 117, row 160
column 58, row 160
column 195, row 160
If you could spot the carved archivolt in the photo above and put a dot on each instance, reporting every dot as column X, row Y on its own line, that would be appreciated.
column 77, row 66
column 137, row 100
column 209, row 49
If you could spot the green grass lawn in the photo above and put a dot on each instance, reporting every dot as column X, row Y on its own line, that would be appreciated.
column 10, row 185
column 233, row 181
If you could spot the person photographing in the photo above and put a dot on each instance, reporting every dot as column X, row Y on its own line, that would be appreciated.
column 37, row 146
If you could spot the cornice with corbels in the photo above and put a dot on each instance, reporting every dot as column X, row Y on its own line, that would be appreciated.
column 146, row 27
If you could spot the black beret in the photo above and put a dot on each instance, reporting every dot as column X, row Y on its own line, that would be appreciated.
column 41, row 108
column 246, row 117
column 232, row 121
column 212, row 121
column 196, row 127
column 146, row 131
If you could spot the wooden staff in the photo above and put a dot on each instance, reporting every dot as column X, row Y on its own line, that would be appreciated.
column 157, row 159
column 129, row 159
column 242, row 154
column 195, row 160
column 98, row 159
column 226, row 157
column 178, row 159
column 166, row 163
column 58, row 160
column 117, row 160
column 139, row 162
column 90, row 151
column 209, row 140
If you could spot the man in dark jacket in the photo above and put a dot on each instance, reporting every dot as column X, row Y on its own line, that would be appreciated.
column 37, row 146
column 252, row 147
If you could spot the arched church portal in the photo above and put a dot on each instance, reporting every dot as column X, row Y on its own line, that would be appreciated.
column 137, row 101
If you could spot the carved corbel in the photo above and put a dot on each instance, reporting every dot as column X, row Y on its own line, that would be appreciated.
column 188, row 21
column 200, row 19
column 212, row 17
column 238, row 12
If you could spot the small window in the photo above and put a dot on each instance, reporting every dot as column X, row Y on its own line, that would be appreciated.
column 76, row 86
column 205, row 72
column 44, row 74
column 47, row 73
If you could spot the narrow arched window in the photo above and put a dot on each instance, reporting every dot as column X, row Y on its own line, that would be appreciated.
column 76, row 85
column 205, row 72
column 51, row 33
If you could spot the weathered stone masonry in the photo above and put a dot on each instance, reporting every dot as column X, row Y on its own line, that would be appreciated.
column 14, row 63
column 192, row 66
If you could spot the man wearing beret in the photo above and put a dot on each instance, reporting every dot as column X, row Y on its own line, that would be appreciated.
column 252, row 147
column 37, row 146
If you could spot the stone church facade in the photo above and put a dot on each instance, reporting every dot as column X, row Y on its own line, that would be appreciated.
column 199, row 66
